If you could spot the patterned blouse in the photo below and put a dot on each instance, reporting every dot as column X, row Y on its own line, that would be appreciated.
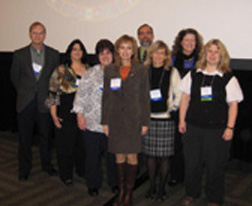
column 63, row 81
column 89, row 96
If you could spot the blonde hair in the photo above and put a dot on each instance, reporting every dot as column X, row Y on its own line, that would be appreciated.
column 224, row 64
column 125, row 39
column 156, row 46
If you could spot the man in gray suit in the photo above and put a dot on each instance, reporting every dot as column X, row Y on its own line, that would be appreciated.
column 30, row 73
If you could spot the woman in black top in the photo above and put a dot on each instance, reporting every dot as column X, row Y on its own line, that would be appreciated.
column 158, row 144
column 185, row 53
column 208, row 111
column 64, row 83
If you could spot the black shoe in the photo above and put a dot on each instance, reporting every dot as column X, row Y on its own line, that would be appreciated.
column 161, row 196
column 23, row 178
column 80, row 174
column 68, row 182
column 173, row 183
column 150, row 193
column 52, row 172
column 115, row 189
column 93, row 192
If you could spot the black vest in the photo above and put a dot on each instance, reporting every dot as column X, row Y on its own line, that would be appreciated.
column 160, row 78
column 208, row 114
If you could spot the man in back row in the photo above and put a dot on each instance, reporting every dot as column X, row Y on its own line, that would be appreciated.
column 145, row 37
column 30, row 72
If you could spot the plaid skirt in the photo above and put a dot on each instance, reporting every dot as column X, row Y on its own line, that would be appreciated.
column 159, row 141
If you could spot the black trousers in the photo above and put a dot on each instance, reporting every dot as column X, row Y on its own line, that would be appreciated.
column 69, row 145
column 205, row 147
column 27, row 119
column 96, row 144
column 177, row 164
column 70, row 152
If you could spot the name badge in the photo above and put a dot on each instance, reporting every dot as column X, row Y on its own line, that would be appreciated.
column 36, row 68
column 101, row 87
column 115, row 83
column 77, row 82
column 206, row 93
column 189, row 64
column 155, row 95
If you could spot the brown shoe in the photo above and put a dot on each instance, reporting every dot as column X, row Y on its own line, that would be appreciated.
column 188, row 201
column 213, row 204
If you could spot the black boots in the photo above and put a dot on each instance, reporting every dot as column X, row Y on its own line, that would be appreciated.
column 126, row 181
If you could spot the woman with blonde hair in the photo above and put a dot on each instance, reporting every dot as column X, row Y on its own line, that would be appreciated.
column 158, row 144
column 125, row 113
column 208, row 111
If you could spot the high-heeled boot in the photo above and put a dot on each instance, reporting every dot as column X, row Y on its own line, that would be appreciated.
column 130, row 181
column 121, row 184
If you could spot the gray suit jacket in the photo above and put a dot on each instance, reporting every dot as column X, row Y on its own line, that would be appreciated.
column 24, row 80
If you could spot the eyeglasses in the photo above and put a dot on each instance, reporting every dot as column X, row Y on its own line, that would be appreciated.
column 37, row 32
column 145, row 32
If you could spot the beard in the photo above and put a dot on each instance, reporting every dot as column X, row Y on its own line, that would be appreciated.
column 146, row 42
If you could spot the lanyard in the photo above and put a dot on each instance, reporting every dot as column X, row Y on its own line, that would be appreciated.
column 203, row 81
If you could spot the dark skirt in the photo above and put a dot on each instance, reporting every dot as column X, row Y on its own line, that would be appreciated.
column 159, row 142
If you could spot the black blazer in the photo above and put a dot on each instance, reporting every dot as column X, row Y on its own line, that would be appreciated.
column 24, row 80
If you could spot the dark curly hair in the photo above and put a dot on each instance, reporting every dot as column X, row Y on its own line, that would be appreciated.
column 102, row 45
column 68, row 59
column 177, row 42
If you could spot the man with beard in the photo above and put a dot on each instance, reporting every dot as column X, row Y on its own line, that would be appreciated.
column 145, row 37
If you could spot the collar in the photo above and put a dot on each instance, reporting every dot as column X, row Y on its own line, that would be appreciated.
column 183, row 56
column 97, row 68
column 217, row 72
column 142, row 48
column 38, row 51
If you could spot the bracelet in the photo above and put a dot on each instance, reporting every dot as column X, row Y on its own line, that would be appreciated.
column 232, row 128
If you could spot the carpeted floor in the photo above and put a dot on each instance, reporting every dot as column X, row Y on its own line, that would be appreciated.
column 43, row 190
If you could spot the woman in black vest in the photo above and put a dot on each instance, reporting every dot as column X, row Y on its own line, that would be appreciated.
column 158, row 144
column 208, row 112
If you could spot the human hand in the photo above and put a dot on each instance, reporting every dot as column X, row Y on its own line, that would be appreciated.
column 106, row 130
column 182, row 127
column 228, row 134
column 82, row 123
column 144, row 130
column 57, row 122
